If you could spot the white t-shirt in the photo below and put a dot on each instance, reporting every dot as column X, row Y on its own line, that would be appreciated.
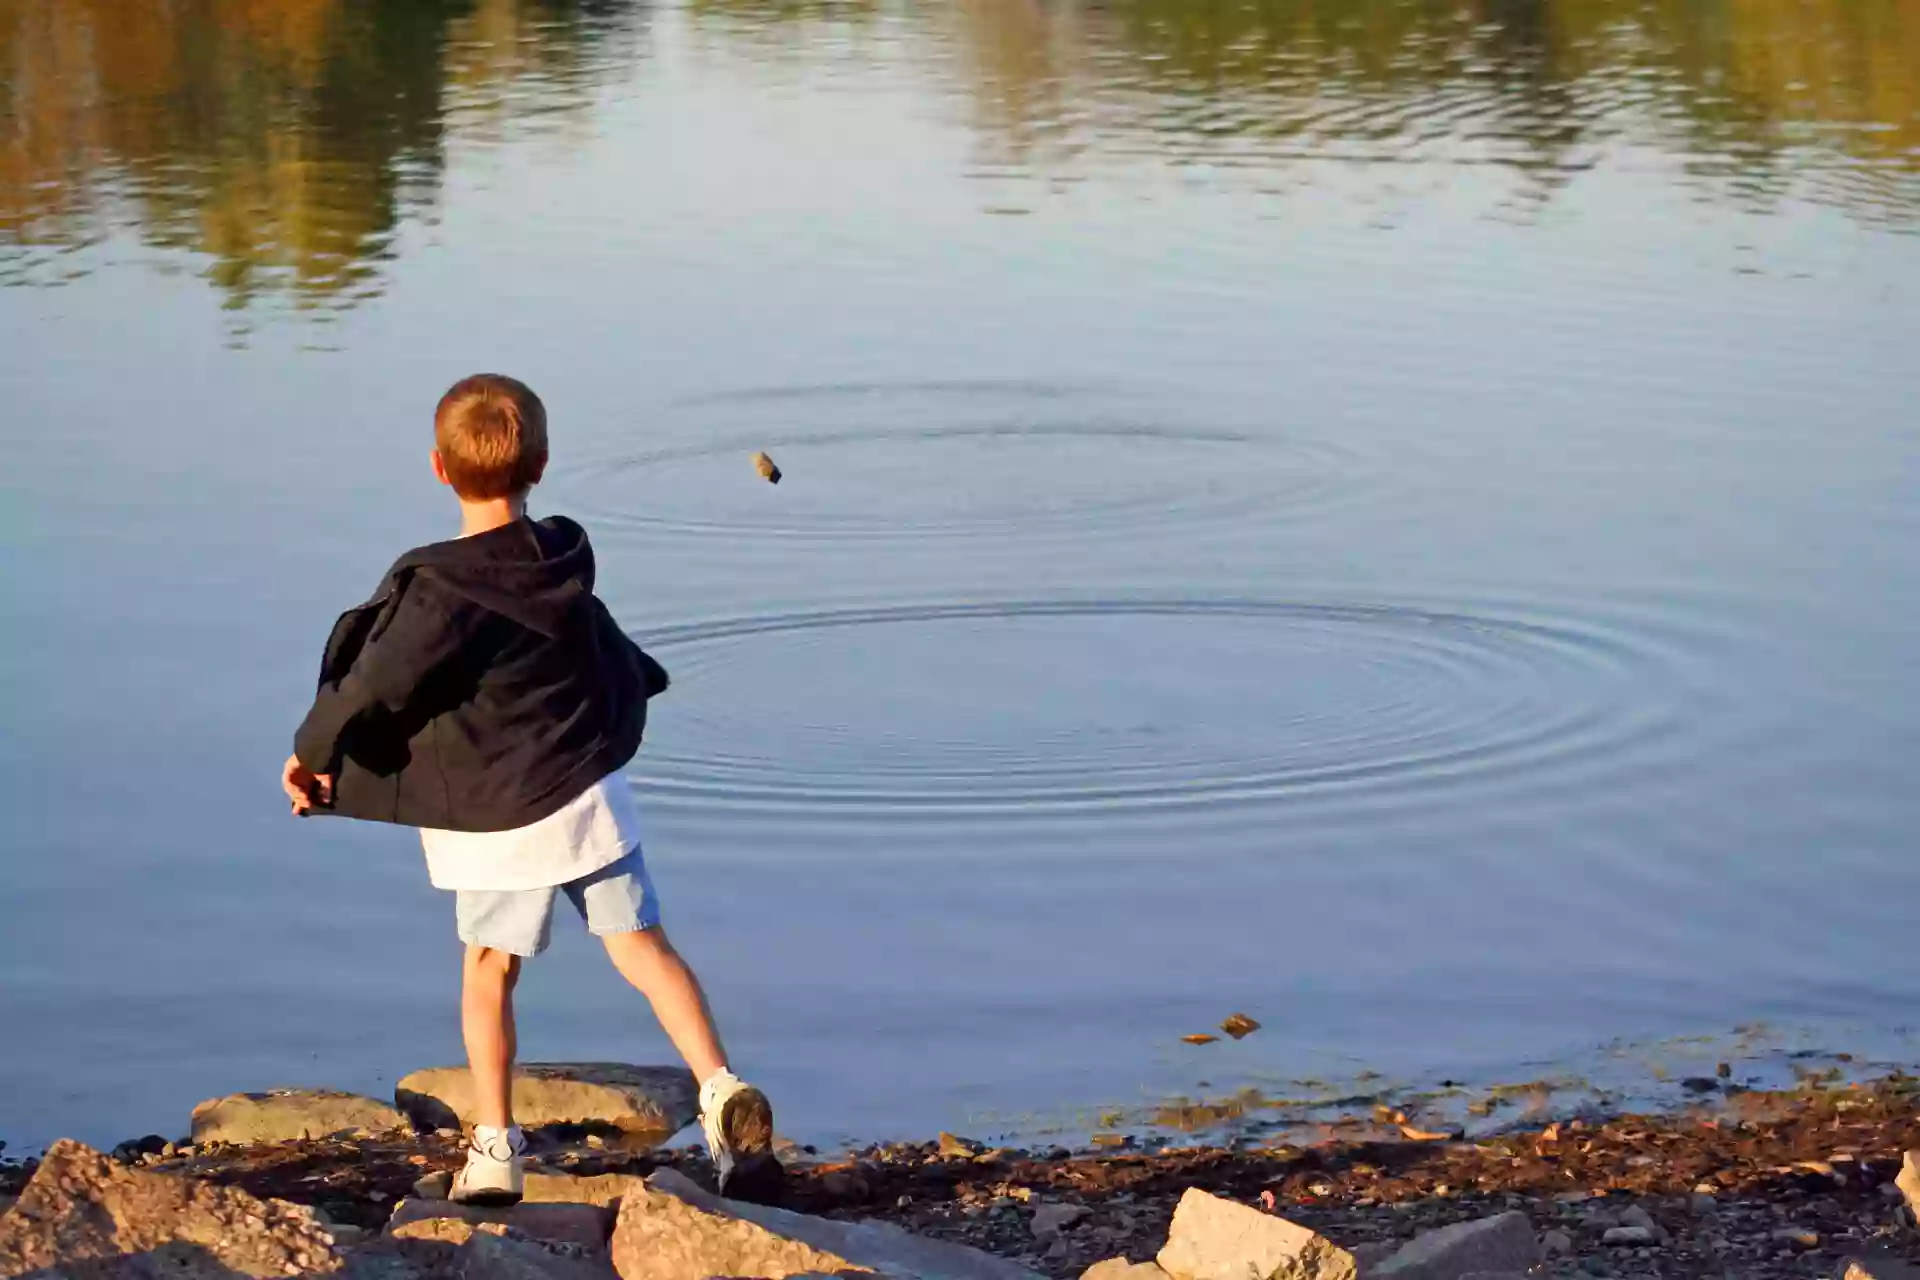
column 593, row 830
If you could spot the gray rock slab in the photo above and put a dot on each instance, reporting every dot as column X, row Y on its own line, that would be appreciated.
column 1372, row 1253
column 1502, row 1243
column 649, row 1103
column 1216, row 1239
column 673, row 1229
column 288, row 1115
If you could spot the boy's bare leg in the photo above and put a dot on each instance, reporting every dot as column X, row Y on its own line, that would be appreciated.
column 486, row 1021
column 647, row 959
column 734, row 1116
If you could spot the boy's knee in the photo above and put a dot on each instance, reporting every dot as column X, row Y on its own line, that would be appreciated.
column 490, row 964
column 650, row 942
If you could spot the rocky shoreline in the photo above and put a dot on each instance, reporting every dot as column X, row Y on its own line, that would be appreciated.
column 1765, row 1184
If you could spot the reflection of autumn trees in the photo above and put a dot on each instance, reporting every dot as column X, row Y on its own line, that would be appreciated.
column 282, row 138
column 285, row 139
column 1760, row 94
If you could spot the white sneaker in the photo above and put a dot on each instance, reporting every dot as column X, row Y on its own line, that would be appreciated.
column 737, row 1120
column 495, row 1173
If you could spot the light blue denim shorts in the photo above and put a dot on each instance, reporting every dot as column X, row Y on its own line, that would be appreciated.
column 618, row 898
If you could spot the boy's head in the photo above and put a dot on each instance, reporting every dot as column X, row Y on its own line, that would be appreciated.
column 490, row 437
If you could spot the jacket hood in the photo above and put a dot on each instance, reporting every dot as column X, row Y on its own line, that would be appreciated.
column 539, row 573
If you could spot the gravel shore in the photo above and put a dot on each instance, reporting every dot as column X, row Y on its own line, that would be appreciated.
column 1772, row 1184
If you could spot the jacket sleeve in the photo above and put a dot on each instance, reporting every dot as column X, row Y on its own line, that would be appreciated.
column 649, row 677
column 423, row 633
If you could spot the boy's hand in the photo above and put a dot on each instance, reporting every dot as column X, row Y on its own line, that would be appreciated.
column 303, row 786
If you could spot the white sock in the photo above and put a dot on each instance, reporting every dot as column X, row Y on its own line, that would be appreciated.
column 493, row 1141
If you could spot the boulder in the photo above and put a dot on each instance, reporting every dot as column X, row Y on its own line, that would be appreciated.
column 649, row 1103
column 1909, row 1182
column 287, row 1115
column 1877, row 1266
column 1216, row 1239
column 89, row 1218
column 1122, row 1269
column 1502, row 1243
column 584, row 1225
column 496, row 1254
column 1371, row 1254
column 671, row 1229
column 1050, row 1220
column 604, row 1190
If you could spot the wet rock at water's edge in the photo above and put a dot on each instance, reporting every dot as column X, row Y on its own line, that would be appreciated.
column 289, row 1115
column 646, row 1104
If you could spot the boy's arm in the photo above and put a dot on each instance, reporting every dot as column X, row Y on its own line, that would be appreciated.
column 425, row 631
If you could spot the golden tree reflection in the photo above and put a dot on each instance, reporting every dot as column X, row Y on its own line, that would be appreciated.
column 1753, row 97
column 281, row 138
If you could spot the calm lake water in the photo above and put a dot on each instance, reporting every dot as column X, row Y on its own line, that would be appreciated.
column 1394, row 516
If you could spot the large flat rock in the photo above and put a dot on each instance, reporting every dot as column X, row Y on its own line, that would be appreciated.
column 584, row 1225
column 649, row 1103
column 1216, row 1239
column 1502, row 1243
column 288, row 1115
column 604, row 1190
column 85, row 1217
column 503, row 1255
column 672, row 1229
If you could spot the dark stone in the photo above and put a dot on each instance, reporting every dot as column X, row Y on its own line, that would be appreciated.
column 130, row 1151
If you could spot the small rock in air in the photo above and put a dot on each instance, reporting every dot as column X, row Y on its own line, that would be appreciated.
column 767, row 468
column 1200, row 1038
column 1239, row 1026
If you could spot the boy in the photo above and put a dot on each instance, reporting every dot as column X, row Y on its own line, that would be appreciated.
column 486, row 696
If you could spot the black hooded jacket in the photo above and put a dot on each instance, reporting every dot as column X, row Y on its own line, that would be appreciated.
column 482, row 688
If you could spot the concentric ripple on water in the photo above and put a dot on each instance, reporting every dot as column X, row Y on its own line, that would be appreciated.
column 1095, row 703
column 930, row 459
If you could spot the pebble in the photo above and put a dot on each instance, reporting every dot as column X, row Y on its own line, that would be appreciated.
column 845, row 1186
column 1704, row 1203
column 434, row 1186
column 1556, row 1244
column 957, row 1148
column 1594, row 1266
column 1051, row 1219
column 1800, row 1236
column 1627, row 1235
column 1638, row 1217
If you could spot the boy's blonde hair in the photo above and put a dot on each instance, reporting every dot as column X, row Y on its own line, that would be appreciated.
column 491, row 431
